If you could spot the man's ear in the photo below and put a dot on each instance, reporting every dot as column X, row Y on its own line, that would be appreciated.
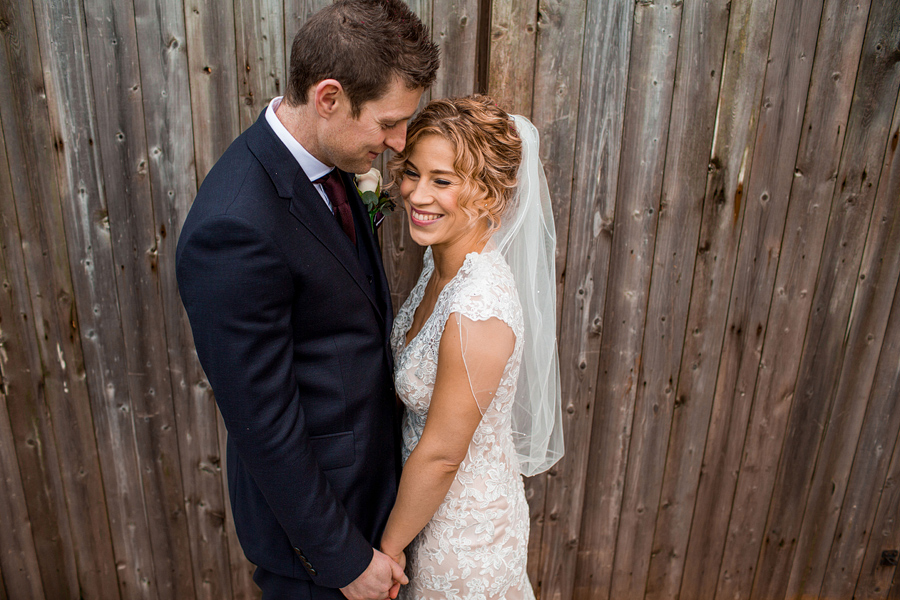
column 328, row 94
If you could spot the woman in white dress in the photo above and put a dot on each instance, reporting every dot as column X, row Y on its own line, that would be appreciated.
column 475, row 352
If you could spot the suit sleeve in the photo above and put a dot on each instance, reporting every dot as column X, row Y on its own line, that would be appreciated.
column 238, row 292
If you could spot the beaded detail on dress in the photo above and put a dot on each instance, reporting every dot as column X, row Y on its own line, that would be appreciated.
column 476, row 545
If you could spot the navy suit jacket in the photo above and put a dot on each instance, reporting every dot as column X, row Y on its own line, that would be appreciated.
column 291, row 323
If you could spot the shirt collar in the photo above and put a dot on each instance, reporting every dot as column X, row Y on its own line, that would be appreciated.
column 312, row 166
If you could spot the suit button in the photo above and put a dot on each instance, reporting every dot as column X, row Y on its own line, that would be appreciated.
column 369, row 277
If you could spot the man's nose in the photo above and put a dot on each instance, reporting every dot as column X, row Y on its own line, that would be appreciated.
column 396, row 139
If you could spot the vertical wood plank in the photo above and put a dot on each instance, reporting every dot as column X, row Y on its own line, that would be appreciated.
column 792, row 41
column 211, row 59
column 813, row 387
column 54, row 432
column 690, row 136
column 260, row 55
column 557, row 81
column 455, row 29
column 882, row 421
column 859, row 342
column 744, row 59
column 167, row 116
column 122, row 143
column 512, row 51
column 875, row 579
column 654, row 50
column 565, row 550
column 18, row 560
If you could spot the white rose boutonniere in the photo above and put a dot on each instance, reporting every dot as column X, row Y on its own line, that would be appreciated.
column 375, row 199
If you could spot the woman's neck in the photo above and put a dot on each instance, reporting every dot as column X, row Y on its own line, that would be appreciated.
column 449, row 257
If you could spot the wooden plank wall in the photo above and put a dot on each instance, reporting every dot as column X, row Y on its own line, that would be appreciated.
column 726, row 187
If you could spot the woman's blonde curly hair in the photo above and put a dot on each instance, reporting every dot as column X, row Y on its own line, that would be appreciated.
column 488, row 152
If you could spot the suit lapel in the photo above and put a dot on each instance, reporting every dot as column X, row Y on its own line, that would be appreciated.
column 305, row 202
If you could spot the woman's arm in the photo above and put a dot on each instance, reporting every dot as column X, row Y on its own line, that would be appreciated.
column 453, row 417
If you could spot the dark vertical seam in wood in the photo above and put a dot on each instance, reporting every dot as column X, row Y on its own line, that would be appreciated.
column 731, row 298
column 740, row 233
column 764, row 530
column 482, row 45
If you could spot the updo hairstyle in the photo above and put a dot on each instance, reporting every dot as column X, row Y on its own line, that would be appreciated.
column 488, row 152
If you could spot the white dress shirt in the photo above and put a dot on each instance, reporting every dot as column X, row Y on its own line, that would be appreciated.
column 312, row 166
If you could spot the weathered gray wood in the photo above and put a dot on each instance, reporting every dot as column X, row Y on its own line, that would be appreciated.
column 55, row 434
column 260, row 55
column 18, row 561
column 654, row 50
column 828, row 333
column 122, row 143
column 859, row 345
column 454, row 27
column 882, row 422
column 690, row 136
column 778, row 133
column 875, row 578
column 21, row 574
column 167, row 116
column 511, row 65
column 596, row 170
column 211, row 60
column 557, row 81
column 554, row 111
column 749, row 29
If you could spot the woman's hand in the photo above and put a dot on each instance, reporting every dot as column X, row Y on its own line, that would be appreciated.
column 399, row 557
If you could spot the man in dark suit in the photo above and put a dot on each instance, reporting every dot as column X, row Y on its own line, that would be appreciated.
column 281, row 276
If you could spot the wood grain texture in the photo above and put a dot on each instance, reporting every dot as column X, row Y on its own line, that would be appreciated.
column 828, row 333
column 454, row 27
column 122, row 143
column 631, row 413
column 882, row 424
column 784, row 96
column 690, row 138
column 512, row 47
column 683, row 516
column 862, row 338
column 260, row 47
column 211, row 59
column 19, row 561
column 554, row 111
column 875, row 576
column 59, row 456
column 167, row 118
column 567, row 551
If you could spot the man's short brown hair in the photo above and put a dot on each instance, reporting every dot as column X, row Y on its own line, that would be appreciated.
column 363, row 44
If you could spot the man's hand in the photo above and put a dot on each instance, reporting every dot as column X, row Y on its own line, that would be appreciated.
column 400, row 559
column 377, row 582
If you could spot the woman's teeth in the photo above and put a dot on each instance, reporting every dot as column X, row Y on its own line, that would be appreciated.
column 425, row 217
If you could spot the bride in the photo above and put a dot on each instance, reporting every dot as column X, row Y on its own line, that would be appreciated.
column 475, row 351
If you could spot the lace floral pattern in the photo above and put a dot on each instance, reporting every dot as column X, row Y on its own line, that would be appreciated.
column 476, row 545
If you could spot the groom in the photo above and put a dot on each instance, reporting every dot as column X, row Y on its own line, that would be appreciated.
column 282, row 280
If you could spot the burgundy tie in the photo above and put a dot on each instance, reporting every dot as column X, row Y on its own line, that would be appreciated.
column 334, row 188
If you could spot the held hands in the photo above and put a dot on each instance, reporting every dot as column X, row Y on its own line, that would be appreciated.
column 400, row 559
column 381, row 579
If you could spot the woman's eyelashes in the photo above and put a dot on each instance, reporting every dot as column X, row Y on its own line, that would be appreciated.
column 410, row 173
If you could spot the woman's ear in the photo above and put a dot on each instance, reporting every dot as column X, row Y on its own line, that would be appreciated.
column 327, row 97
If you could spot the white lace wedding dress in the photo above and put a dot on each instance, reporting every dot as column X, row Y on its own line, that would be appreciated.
column 476, row 545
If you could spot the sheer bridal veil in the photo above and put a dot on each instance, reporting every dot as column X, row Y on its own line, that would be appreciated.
column 527, row 240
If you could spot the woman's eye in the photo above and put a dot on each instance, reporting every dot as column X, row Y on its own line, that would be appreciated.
column 441, row 182
column 410, row 173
